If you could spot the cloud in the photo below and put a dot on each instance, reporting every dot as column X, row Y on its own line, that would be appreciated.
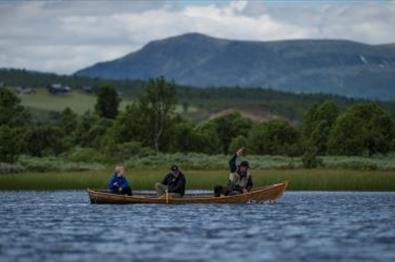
column 64, row 36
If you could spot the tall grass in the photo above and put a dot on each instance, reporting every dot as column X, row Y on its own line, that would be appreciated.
column 143, row 179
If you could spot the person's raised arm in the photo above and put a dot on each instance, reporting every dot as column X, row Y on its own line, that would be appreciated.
column 232, row 161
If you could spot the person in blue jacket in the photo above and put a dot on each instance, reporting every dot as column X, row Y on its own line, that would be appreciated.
column 118, row 183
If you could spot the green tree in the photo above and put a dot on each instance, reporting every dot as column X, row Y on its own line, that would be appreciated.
column 157, row 104
column 310, row 159
column 107, row 102
column 207, row 139
column 362, row 129
column 185, row 107
column 275, row 137
column 91, row 130
column 230, row 126
column 238, row 142
column 317, row 125
column 68, row 121
column 44, row 140
column 11, row 112
column 128, row 126
column 183, row 138
column 85, row 124
column 10, row 144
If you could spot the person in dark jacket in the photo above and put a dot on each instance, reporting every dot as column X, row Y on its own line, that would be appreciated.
column 240, row 180
column 173, row 183
column 118, row 183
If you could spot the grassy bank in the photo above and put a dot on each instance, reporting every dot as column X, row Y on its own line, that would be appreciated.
column 299, row 179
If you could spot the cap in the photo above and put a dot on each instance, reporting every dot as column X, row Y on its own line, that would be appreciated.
column 174, row 168
column 245, row 163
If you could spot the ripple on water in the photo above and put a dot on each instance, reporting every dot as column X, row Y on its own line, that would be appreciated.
column 63, row 226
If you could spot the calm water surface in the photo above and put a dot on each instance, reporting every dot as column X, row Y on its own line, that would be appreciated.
column 302, row 226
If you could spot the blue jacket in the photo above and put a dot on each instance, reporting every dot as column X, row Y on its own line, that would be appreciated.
column 120, row 180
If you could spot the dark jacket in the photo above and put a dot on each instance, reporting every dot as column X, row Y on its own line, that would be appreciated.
column 175, row 184
column 237, row 180
column 120, row 182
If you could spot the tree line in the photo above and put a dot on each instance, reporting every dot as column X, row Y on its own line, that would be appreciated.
column 151, row 124
column 291, row 105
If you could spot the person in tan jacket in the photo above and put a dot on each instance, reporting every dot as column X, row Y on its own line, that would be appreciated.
column 240, row 180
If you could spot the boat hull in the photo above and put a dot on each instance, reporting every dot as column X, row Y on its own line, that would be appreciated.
column 260, row 194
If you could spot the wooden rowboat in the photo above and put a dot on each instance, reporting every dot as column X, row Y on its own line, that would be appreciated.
column 259, row 194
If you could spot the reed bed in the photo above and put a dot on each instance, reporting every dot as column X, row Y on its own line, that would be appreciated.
column 144, row 179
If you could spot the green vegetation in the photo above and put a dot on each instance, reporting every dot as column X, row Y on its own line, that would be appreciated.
column 258, row 162
column 200, row 102
column 318, row 123
column 150, row 133
column 276, row 137
column 155, row 107
column 107, row 102
column 90, row 159
column 362, row 128
column 300, row 179
column 46, row 164
column 45, row 106
column 42, row 100
column 151, row 125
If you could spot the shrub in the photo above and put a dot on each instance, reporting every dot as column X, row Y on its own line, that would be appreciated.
column 44, row 140
column 360, row 163
column 10, row 144
column 7, row 168
column 310, row 159
column 86, row 155
column 132, row 149
column 43, row 164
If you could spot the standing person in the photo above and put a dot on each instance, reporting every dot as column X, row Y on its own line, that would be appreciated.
column 118, row 183
column 240, row 180
column 173, row 183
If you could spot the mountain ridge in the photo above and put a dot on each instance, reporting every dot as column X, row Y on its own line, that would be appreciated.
column 332, row 66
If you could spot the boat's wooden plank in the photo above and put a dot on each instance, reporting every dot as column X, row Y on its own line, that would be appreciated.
column 271, row 192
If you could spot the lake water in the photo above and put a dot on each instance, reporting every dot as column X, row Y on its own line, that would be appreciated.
column 302, row 226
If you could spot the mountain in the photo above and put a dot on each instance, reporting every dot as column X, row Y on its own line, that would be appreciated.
column 312, row 66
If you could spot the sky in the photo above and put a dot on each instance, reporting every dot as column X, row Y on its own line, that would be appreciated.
column 63, row 36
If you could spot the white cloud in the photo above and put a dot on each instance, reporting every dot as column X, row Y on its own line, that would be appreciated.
column 64, row 36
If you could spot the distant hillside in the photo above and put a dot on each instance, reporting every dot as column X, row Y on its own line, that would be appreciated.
column 34, row 79
column 202, row 103
column 317, row 66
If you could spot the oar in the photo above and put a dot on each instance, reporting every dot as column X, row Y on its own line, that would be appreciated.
column 167, row 196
